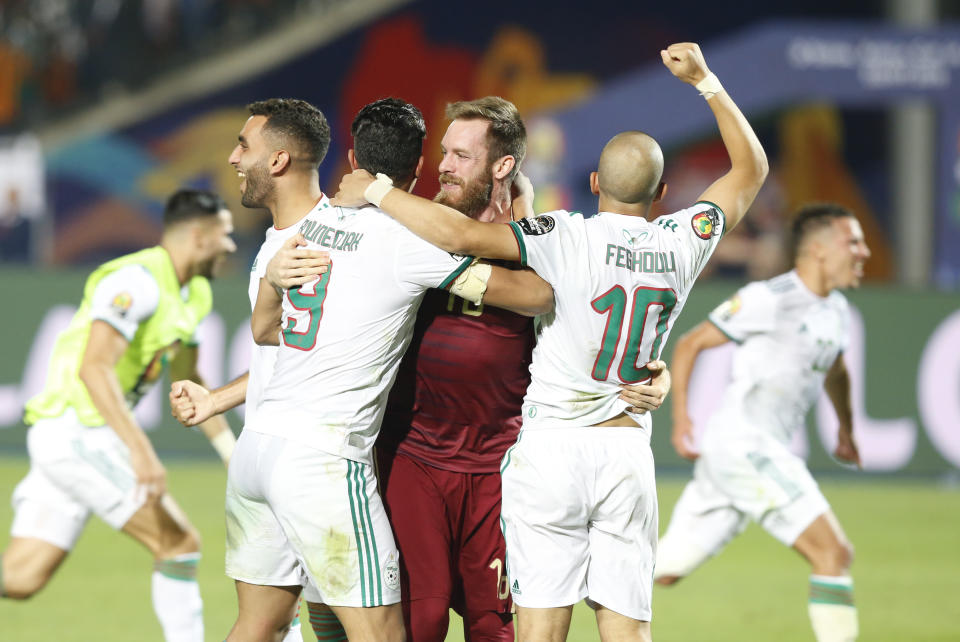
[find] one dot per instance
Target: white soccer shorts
(739, 477)
(300, 516)
(75, 470)
(580, 518)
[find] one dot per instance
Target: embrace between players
(333, 320)
(466, 510)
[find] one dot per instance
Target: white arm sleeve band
(472, 284)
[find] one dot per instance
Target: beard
(475, 195)
(259, 187)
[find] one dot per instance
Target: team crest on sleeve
(121, 303)
(706, 224)
(537, 226)
(728, 308)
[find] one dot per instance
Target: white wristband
(224, 442)
(378, 189)
(709, 86)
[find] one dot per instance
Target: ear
(661, 192)
(352, 159)
(503, 167)
(416, 172)
(594, 184)
(279, 162)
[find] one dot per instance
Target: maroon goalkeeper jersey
(456, 401)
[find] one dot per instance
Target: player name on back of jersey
(641, 260)
(326, 236)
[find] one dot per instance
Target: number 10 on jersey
(613, 304)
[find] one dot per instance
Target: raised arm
(704, 336)
(443, 226)
(837, 385)
(214, 427)
(267, 313)
(734, 191)
(105, 347)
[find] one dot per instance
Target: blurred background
(107, 106)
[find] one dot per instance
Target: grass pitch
(906, 573)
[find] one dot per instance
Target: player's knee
(489, 626)
(22, 583)
(844, 555)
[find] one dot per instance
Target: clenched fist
(685, 61)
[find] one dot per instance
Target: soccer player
(455, 407)
(745, 469)
(579, 499)
(87, 453)
(302, 500)
(278, 132)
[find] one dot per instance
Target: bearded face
(473, 195)
(257, 187)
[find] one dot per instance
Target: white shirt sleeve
(420, 265)
(752, 310)
(125, 299)
(698, 229)
(545, 240)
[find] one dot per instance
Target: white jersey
(262, 358)
(789, 337)
(343, 334)
(619, 283)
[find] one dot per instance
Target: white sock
(294, 634)
(832, 612)
(176, 598)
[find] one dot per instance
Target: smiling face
(845, 253)
(466, 177)
(250, 158)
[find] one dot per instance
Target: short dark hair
(507, 135)
(189, 204)
(812, 218)
(298, 124)
(388, 138)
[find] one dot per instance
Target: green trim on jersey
(717, 207)
(172, 324)
(518, 234)
(457, 272)
(725, 333)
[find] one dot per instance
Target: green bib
(157, 338)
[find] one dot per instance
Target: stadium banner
(903, 358)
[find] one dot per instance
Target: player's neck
(176, 250)
(291, 205)
(812, 277)
(607, 204)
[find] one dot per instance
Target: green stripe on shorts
(356, 531)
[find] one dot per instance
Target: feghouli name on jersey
(641, 260)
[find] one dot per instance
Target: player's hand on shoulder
(293, 265)
(191, 403)
(522, 193)
(685, 61)
(646, 397)
(682, 438)
(352, 189)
